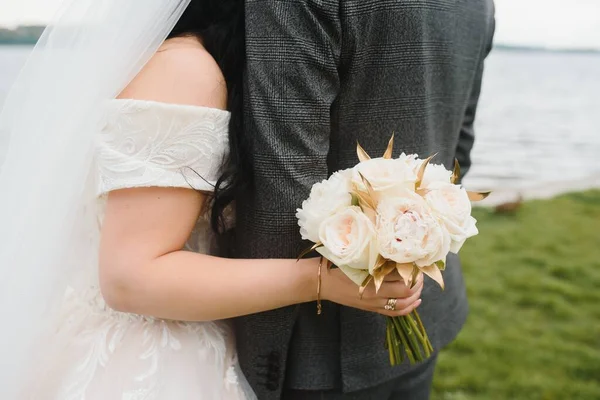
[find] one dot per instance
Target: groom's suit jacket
(322, 75)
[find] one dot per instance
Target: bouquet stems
(406, 335)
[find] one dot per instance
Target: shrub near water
(533, 280)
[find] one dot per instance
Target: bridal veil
(88, 54)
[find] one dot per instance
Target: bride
(87, 329)
(120, 146)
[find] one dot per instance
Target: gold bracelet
(319, 307)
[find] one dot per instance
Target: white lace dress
(96, 353)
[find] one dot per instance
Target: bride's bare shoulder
(181, 72)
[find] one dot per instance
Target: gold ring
(391, 305)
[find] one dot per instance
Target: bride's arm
(143, 268)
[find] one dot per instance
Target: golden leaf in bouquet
(372, 195)
(406, 271)
(308, 250)
(415, 275)
(363, 199)
(363, 286)
(379, 274)
(379, 262)
(473, 196)
(390, 148)
(456, 172)
(362, 154)
(478, 196)
(434, 273)
(421, 171)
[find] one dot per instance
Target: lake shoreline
(540, 191)
(536, 123)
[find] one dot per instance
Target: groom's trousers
(414, 385)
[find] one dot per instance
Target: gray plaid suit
(322, 74)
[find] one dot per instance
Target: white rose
(412, 160)
(386, 176)
(346, 238)
(451, 203)
(326, 198)
(435, 173)
(408, 231)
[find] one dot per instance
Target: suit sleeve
(467, 132)
(293, 49)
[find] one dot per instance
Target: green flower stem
(424, 343)
(397, 345)
(406, 335)
(390, 344)
(404, 340)
(410, 334)
(423, 331)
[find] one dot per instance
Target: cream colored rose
(412, 160)
(346, 238)
(435, 173)
(408, 231)
(452, 205)
(386, 176)
(326, 198)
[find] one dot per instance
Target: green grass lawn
(534, 288)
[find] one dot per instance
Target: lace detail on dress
(139, 357)
(97, 353)
(147, 143)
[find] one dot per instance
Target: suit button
(270, 370)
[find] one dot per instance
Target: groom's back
(322, 75)
(408, 67)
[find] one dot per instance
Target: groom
(322, 75)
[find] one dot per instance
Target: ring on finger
(391, 305)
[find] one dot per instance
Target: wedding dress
(96, 353)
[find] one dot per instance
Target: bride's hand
(338, 288)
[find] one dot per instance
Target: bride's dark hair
(219, 24)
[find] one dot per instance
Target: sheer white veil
(89, 53)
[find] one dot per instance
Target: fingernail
(418, 302)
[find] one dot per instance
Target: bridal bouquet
(390, 214)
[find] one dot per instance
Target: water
(11, 60)
(538, 118)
